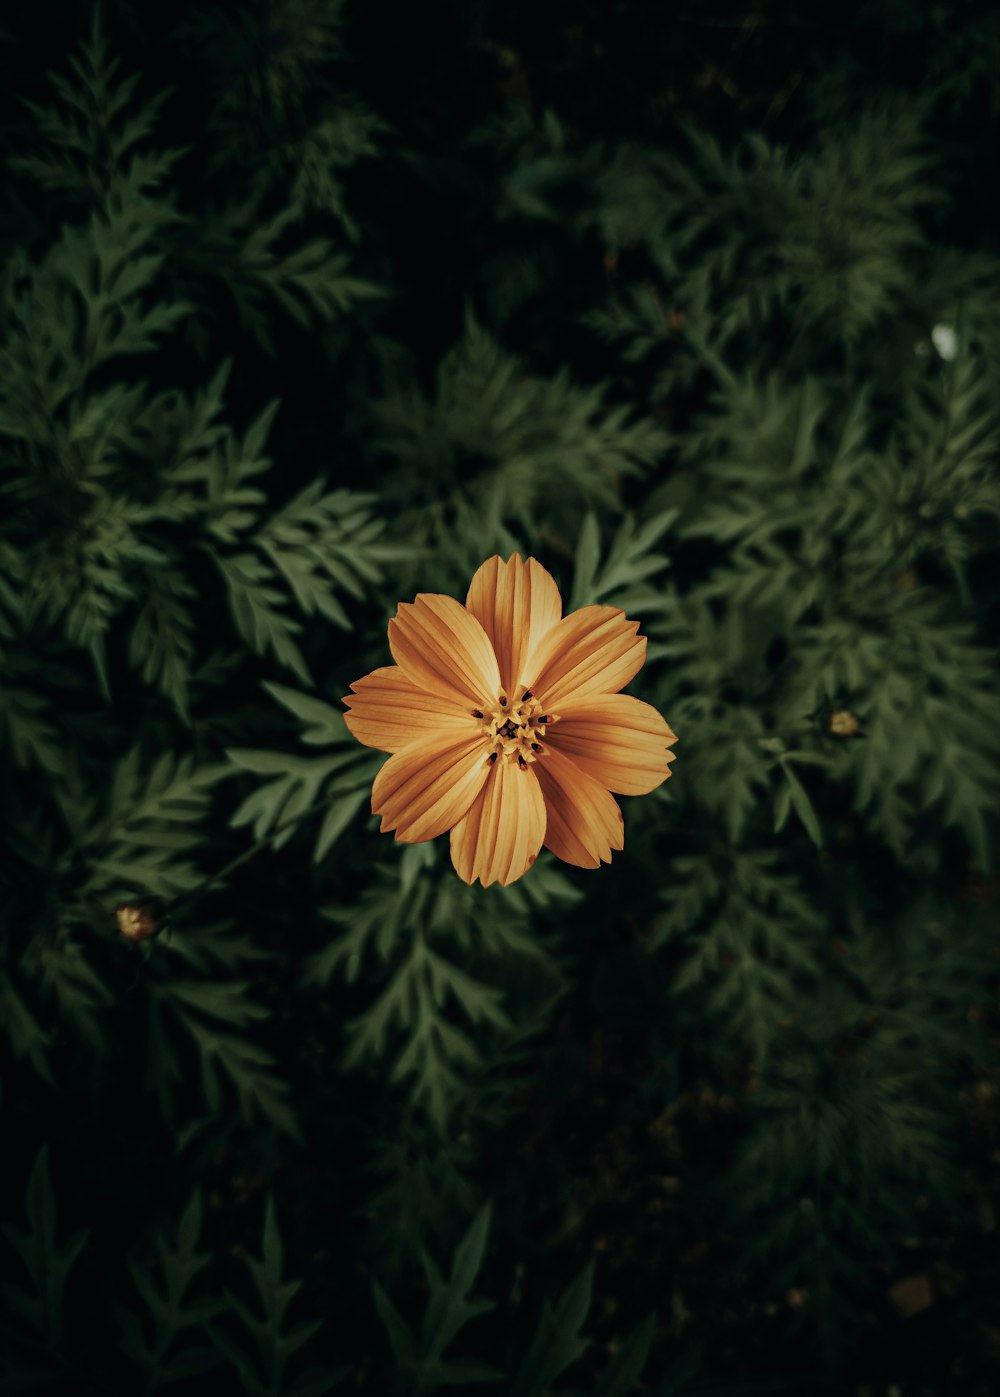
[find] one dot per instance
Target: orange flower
(506, 725)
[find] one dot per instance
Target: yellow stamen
(512, 730)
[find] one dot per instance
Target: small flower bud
(843, 723)
(140, 921)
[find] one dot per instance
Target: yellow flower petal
(517, 604)
(389, 711)
(427, 787)
(442, 647)
(591, 651)
(459, 694)
(499, 837)
(618, 740)
(584, 822)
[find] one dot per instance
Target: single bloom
(507, 726)
(139, 921)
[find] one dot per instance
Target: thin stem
(186, 903)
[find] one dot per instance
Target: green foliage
(838, 517)
(922, 687)
(421, 1366)
(338, 783)
(310, 281)
(159, 1341)
(217, 1017)
(34, 1331)
(618, 579)
(263, 1369)
(91, 540)
(742, 236)
(136, 842)
(753, 941)
(277, 140)
(853, 1117)
(818, 547)
(152, 819)
(72, 987)
(505, 440)
(421, 986)
(412, 1021)
(558, 1342)
(84, 137)
(28, 1040)
(321, 542)
(272, 115)
(288, 335)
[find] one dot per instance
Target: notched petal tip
(499, 838)
(595, 650)
(585, 825)
(517, 603)
(426, 788)
(443, 648)
(387, 710)
(622, 742)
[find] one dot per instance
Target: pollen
(506, 724)
(512, 729)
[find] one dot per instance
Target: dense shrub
(290, 334)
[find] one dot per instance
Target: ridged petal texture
(443, 648)
(584, 823)
(389, 711)
(591, 651)
(427, 787)
(618, 740)
(517, 604)
(500, 836)
(555, 759)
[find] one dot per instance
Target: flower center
(515, 730)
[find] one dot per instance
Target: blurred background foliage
(308, 306)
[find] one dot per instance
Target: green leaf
(207, 1013)
(802, 805)
(159, 1340)
(26, 1036)
(622, 1374)
(423, 1365)
(321, 723)
(40, 1303)
(588, 555)
(263, 1369)
(558, 1342)
(400, 1336)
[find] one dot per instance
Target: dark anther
(544, 718)
(525, 697)
(503, 700)
(476, 713)
(536, 746)
(493, 756)
(521, 762)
